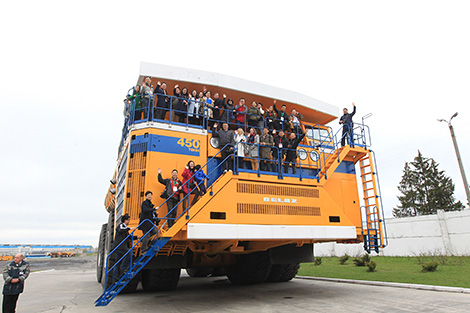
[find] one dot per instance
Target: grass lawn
(454, 272)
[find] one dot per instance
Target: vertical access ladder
(374, 224)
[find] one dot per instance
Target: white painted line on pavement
(390, 284)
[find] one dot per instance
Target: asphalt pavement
(73, 288)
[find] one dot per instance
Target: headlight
(314, 156)
(302, 154)
(214, 142)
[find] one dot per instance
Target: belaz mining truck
(260, 216)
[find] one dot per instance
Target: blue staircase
(113, 290)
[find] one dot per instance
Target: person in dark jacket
(146, 213)
(348, 125)
(162, 101)
(181, 107)
(218, 105)
(121, 244)
(291, 152)
(280, 143)
(282, 117)
(173, 187)
(270, 117)
(14, 274)
(229, 113)
(225, 137)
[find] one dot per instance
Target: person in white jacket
(240, 141)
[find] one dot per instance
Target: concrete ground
(75, 289)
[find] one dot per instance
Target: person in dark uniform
(280, 143)
(282, 117)
(291, 153)
(173, 188)
(121, 244)
(162, 101)
(14, 275)
(348, 125)
(146, 213)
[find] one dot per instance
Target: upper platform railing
(203, 115)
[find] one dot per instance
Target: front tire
(100, 254)
(283, 272)
(160, 279)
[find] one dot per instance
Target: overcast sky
(65, 68)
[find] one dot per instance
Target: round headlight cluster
(302, 154)
(214, 142)
(314, 156)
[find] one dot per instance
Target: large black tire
(160, 279)
(250, 268)
(132, 285)
(218, 271)
(199, 271)
(107, 249)
(100, 255)
(283, 272)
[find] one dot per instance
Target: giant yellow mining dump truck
(260, 216)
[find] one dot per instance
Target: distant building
(33, 250)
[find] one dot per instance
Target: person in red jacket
(188, 183)
(240, 110)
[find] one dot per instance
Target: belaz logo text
(280, 200)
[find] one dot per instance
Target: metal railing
(129, 251)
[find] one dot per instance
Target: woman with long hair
(193, 109)
(253, 147)
(240, 141)
(188, 182)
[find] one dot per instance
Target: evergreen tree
(425, 189)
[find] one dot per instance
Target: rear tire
(160, 279)
(100, 255)
(199, 271)
(283, 272)
(251, 268)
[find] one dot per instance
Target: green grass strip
(452, 271)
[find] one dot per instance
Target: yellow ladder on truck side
(374, 224)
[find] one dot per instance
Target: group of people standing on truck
(271, 148)
(197, 106)
(175, 191)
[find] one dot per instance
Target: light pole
(456, 147)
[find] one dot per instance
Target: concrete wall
(444, 233)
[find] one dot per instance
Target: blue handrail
(130, 251)
(186, 210)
